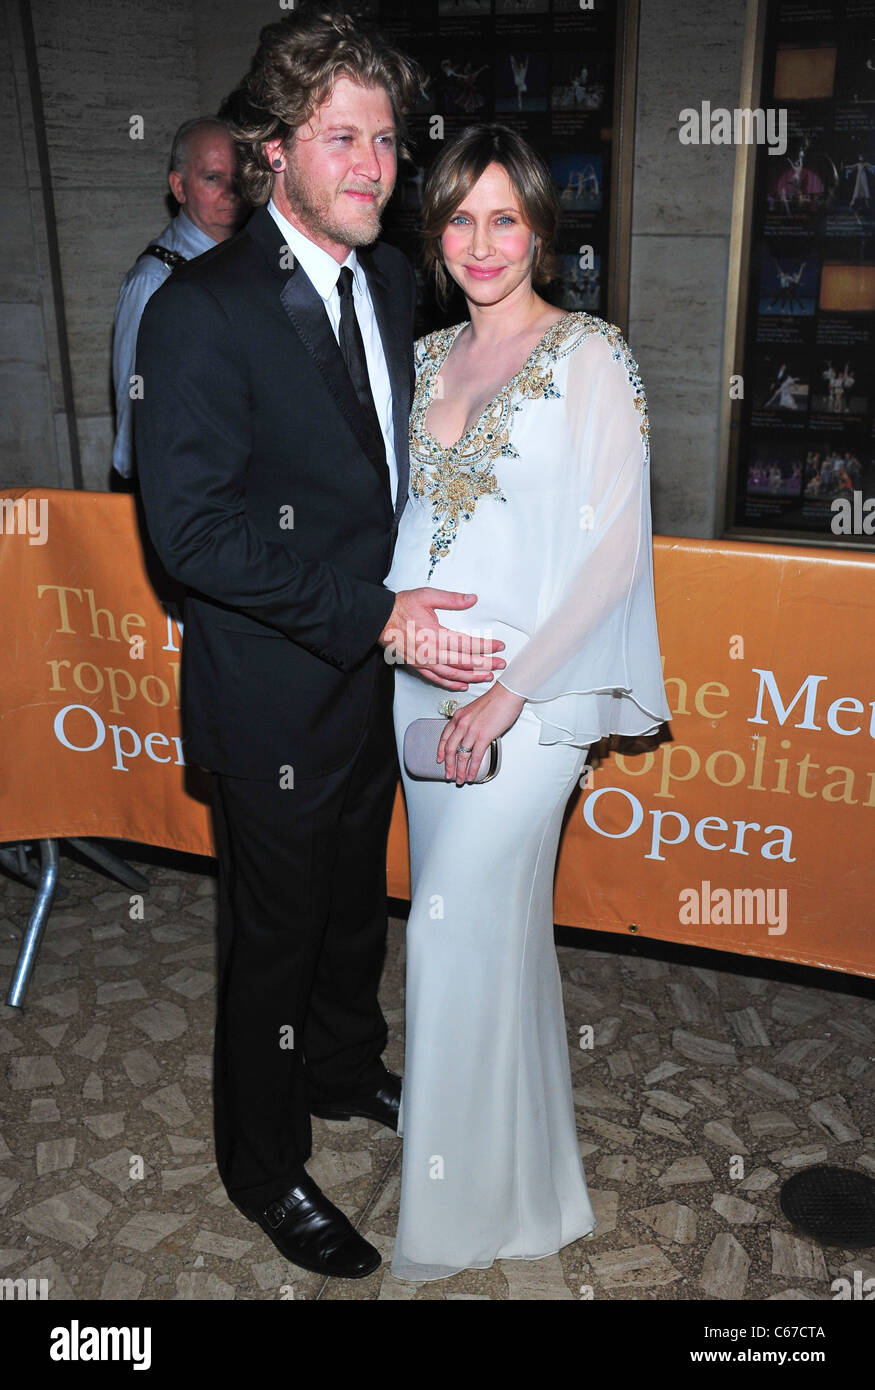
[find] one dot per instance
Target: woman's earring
(277, 163)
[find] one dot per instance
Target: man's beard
(317, 215)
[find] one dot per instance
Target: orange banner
(89, 693)
(749, 832)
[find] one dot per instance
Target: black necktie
(353, 349)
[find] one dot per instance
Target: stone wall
(30, 388)
(681, 216)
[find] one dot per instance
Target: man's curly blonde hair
(293, 72)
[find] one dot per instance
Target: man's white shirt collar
(189, 236)
(320, 267)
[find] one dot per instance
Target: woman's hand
(474, 726)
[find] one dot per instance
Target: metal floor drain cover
(834, 1205)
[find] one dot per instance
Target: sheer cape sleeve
(592, 666)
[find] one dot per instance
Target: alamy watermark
(25, 516)
(741, 126)
(853, 516)
(23, 1290)
(738, 907)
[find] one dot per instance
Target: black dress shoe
(381, 1103)
(312, 1232)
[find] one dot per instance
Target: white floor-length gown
(541, 509)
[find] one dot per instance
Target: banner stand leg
(105, 859)
(39, 915)
(46, 890)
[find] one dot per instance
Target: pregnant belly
(471, 567)
(477, 561)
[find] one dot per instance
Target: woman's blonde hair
(453, 175)
(294, 71)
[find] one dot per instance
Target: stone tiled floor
(697, 1059)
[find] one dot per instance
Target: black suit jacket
(247, 411)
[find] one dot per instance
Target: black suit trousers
(301, 944)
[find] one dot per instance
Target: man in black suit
(272, 442)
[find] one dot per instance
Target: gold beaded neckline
(544, 342)
(451, 480)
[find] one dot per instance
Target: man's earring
(277, 163)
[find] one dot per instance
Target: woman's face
(487, 246)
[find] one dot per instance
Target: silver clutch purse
(421, 739)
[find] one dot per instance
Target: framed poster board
(562, 73)
(799, 418)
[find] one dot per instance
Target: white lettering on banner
(808, 688)
(126, 742)
(674, 821)
(676, 767)
(170, 645)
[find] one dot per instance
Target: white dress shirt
(323, 271)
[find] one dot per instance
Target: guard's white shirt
(323, 272)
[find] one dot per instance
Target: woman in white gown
(540, 507)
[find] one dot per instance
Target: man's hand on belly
(413, 636)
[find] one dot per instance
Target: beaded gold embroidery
(621, 353)
(453, 479)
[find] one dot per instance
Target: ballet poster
(803, 464)
(547, 68)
